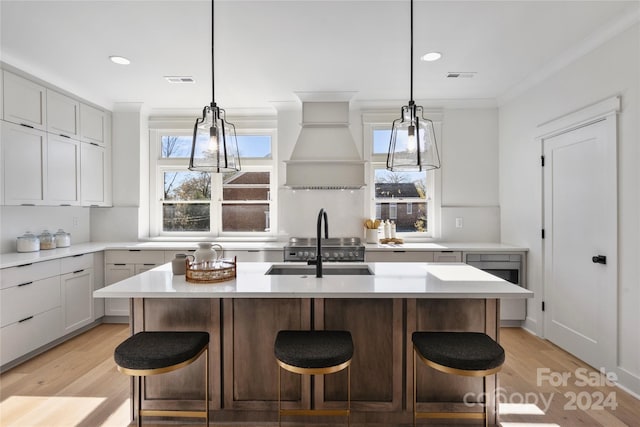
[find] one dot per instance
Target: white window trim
(159, 127)
(378, 120)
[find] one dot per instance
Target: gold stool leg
(415, 398)
(139, 401)
(349, 395)
(206, 390)
(279, 397)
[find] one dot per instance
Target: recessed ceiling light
(431, 56)
(120, 60)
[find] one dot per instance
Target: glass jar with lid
(63, 239)
(47, 241)
(28, 242)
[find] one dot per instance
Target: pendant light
(413, 141)
(215, 146)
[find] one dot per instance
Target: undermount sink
(327, 270)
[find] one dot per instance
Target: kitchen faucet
(318, 261)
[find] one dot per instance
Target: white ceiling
(268, 50)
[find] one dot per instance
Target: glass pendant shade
(215, 146)
(413, 142)
(412, 147)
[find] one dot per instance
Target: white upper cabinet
(39, 169)
(55, 150)
(24, 151)
(63, 171)
(94, 176)
(93, 125)
(24, 102)
(63, 115)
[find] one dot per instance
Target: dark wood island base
(244, 373)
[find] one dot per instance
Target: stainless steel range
(334, 249)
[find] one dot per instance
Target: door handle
(599, 259)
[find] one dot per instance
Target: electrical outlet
(459, 223)
(75, 222)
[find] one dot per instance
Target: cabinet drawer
(30, 334)
(29, 273)
(75, 263)
(134, 257)
(22, 301)
(398, 256)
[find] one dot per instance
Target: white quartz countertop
(15, 258)
(390, 280)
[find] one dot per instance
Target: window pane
(409, 215)
(416, 221)
(254, 146)
(187, 186)
(246, 186)
(400, 184)
(185, 217)
(176, 146)
(381, 140)
(243, 217)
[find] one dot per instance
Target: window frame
(159, 165)
(376, 120)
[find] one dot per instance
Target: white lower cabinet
(29, 334)
(114, 273)
(398, 256)
(77, 288)
(42, 302)
(122, 264)
(447, 256)
(30, 308)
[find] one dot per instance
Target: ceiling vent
(179, 79)
(461, 74)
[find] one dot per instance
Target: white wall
(469, 183)
(611, 69)
(16, 220)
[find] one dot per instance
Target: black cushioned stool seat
(471, 354)
(313, 349)
(158, 352)
(314, 353)
(468, 351)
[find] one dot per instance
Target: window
(188, 203)
(407, 198)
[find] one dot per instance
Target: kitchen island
(381, 310)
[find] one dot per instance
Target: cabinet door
(77, 301)
(27, 299)
(24, 101)
(24, 152)
(115, 273)
(398, 256)
(447, 256)
(254, 255)
(63, 115)
(30, 334)
(92, 125)
(63, 171)
(93, 162)
(141, 268)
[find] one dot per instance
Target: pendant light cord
(411, 71)
(213, 90)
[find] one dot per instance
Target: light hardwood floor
(77, 384)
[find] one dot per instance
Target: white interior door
(580, 221)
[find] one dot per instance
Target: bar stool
(158, 352)
(314, 353)
(470, 354)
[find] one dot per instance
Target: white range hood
(325, 156)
